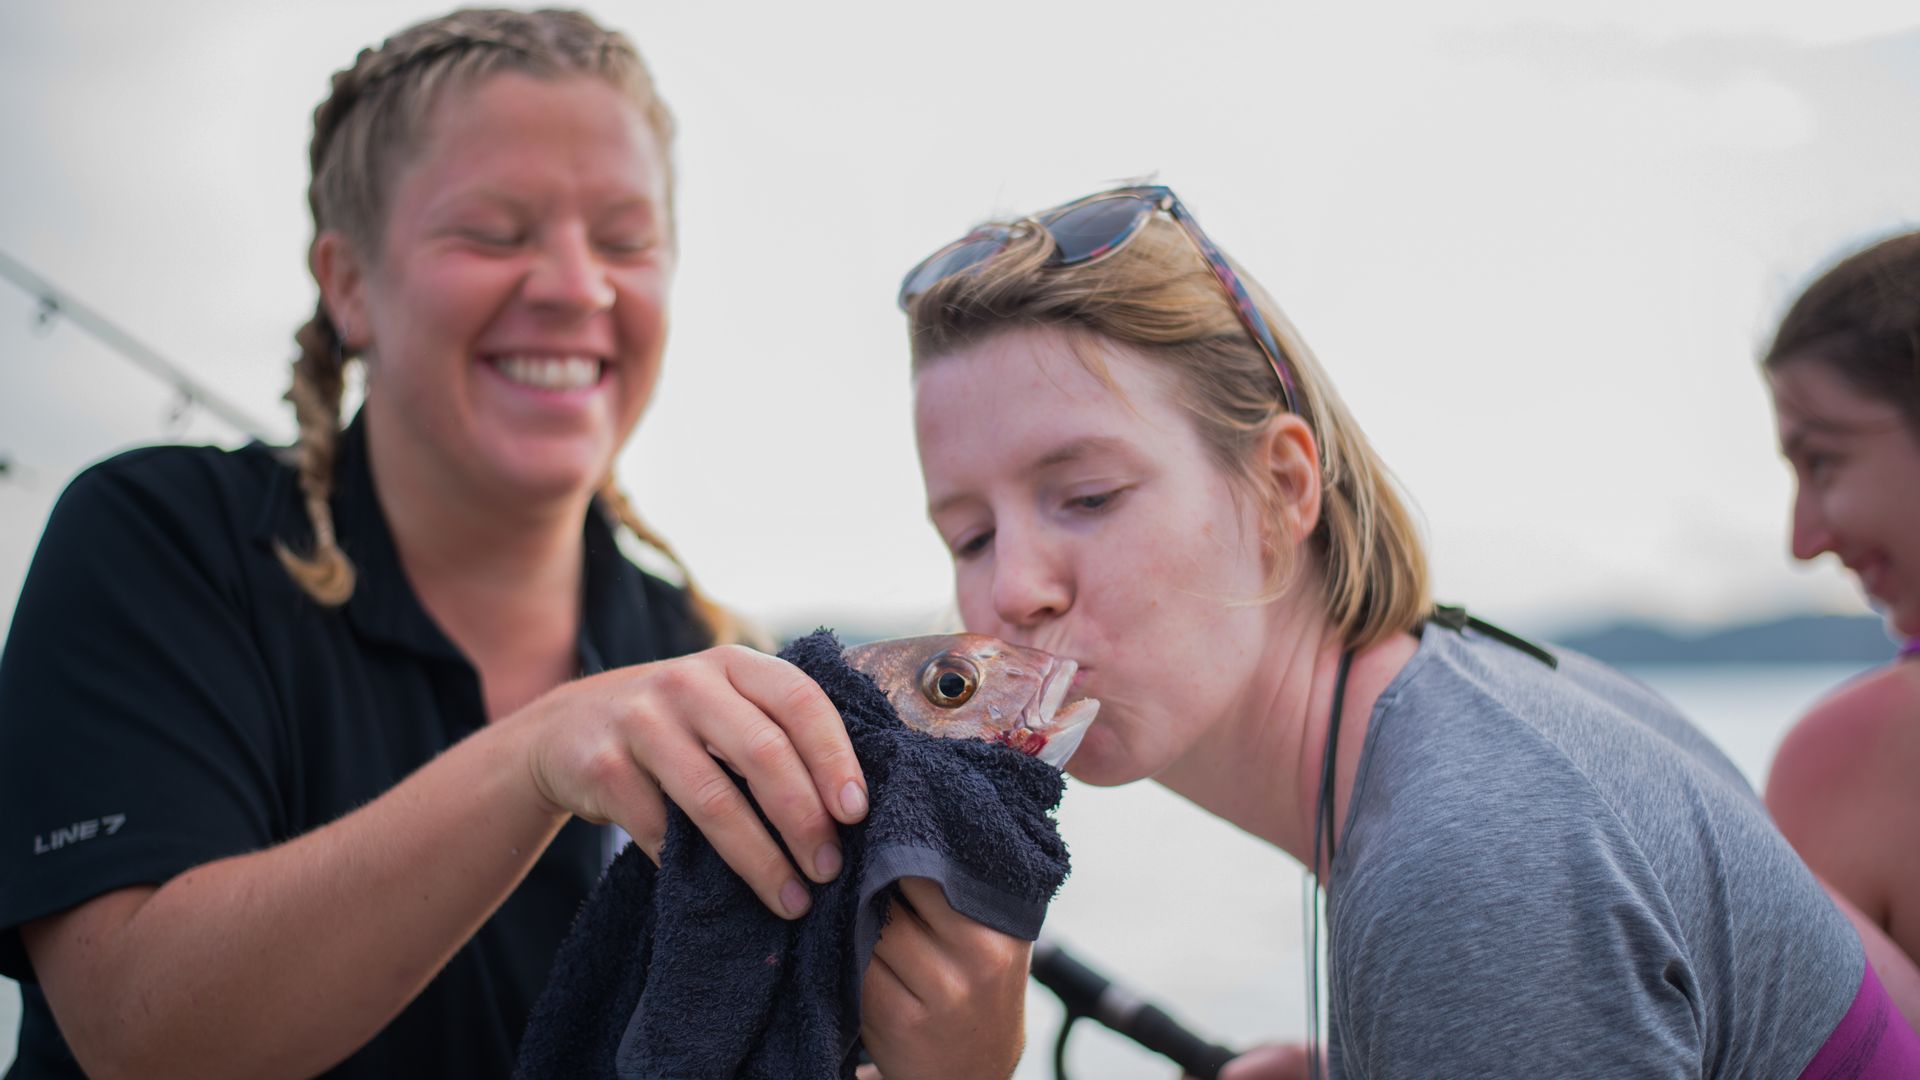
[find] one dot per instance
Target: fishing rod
(1084, 992)
(56, 303)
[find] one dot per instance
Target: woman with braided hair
(310, 758)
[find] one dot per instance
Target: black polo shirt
(168, 696)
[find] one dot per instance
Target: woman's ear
(1292, 467)
(336, 266)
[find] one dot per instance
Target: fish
(971, 686)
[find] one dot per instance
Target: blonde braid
(319, 379)
(723, 626)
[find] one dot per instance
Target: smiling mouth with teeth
(559, 373)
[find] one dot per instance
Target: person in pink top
(1844, 373)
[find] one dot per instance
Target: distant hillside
(1822, 639)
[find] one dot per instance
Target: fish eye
(948, 681)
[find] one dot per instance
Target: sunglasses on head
(1087, 230)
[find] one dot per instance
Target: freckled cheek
(636, 379)
(423, 342)
(970, 591)
(641, 307)
(442, 325)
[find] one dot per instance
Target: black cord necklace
(1323, 823)
(1323, 832)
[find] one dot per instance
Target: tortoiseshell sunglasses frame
(1152, 199)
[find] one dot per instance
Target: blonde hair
(362, 136)
(1158, 297)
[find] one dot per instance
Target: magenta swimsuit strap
(1911, 648)
(1872, 1042)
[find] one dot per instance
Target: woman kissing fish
(970, 686)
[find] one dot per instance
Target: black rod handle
(1085, 992)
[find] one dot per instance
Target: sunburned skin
(970, 686)
(1841, 785)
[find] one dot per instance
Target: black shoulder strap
(1455, 618)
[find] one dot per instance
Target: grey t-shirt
(1551, 873)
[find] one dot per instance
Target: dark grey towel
(679, 973)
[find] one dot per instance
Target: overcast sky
(1538, 252)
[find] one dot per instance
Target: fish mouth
(1059, 724)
